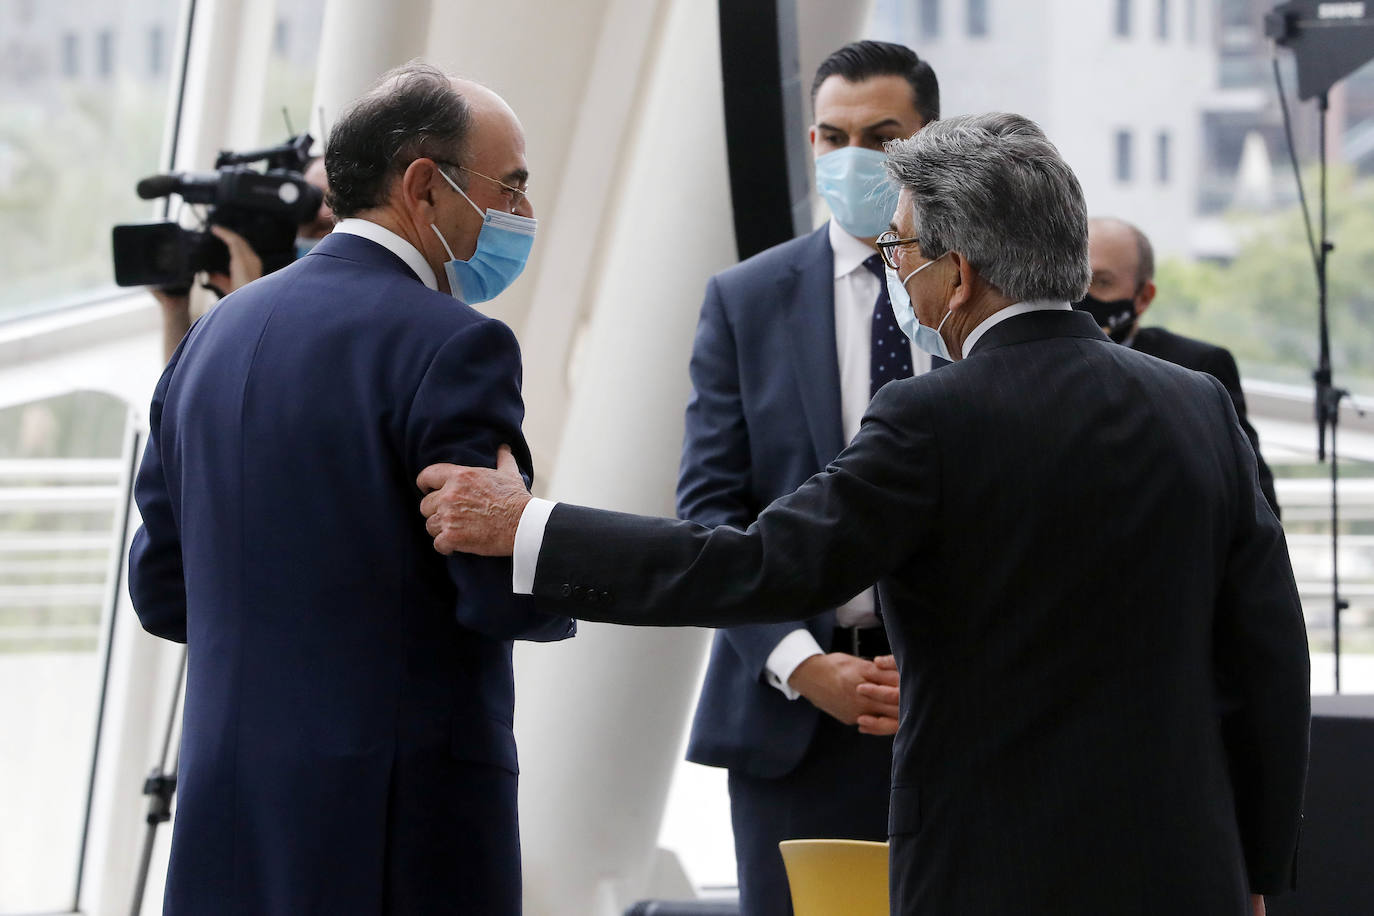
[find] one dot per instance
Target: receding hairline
(1144, 250)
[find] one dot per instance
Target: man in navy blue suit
(791, 346)
(347, 745)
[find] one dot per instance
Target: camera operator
(323, 223)
(244, 266)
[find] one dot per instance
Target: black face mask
(1117, 316)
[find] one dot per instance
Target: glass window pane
(104, 49)
(155, 50)
(1123, 155)
(930, 18)
(977, 18)
(83, 87)
(61, 499)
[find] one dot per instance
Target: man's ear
(962, 280)
(418, 189)
(1145, 297)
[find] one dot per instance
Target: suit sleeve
(157, 584)
(1222, 366)
(713, 485)
(467, 406)
(1260, 645)
(839, 532)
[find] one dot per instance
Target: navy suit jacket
(764, 416)
(347, 745)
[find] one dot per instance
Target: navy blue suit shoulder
(763, 417)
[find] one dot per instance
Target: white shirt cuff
(529, 537)
(795, 648)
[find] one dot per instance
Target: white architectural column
(359, 41)
(601, 720)
(225, 79)
(578, 106)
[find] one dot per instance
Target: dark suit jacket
(763, 417)
(1076, 567)
(1219, 363)
(347, 744)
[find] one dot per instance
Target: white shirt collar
(392, 243)
(1011, 311)
(850, 252)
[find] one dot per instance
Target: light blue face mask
(303, 246)
(503, 246)
(853, 182)
(926, 338)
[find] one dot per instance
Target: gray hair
(412, 112)
(993, 188)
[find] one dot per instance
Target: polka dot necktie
(891, 354)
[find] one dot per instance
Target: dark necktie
(891, 355)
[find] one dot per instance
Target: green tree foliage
(1263, 304)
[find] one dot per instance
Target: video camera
(265, 207)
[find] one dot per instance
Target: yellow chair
(836, 877)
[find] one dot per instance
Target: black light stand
(1329, 41)
(160, 786)
(1328, 397)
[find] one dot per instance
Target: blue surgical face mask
(303, 246)
(503, 245)
(853, 182)
(926, 338)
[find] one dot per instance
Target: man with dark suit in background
(347, 745)
(1078, 735)
(790, 348)
(1123, 286)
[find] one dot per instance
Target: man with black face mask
(1123, 265)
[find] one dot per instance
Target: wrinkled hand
(244, 264)
(474, 510)
(885, 693)
(831, 682)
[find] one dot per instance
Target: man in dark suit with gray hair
(1078, 734)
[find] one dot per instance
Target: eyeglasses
(514, 196)
(889, 241)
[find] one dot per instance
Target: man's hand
(885, 693)
(1257, 905)
(474, 510)
(831, 682)
(244, 264)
